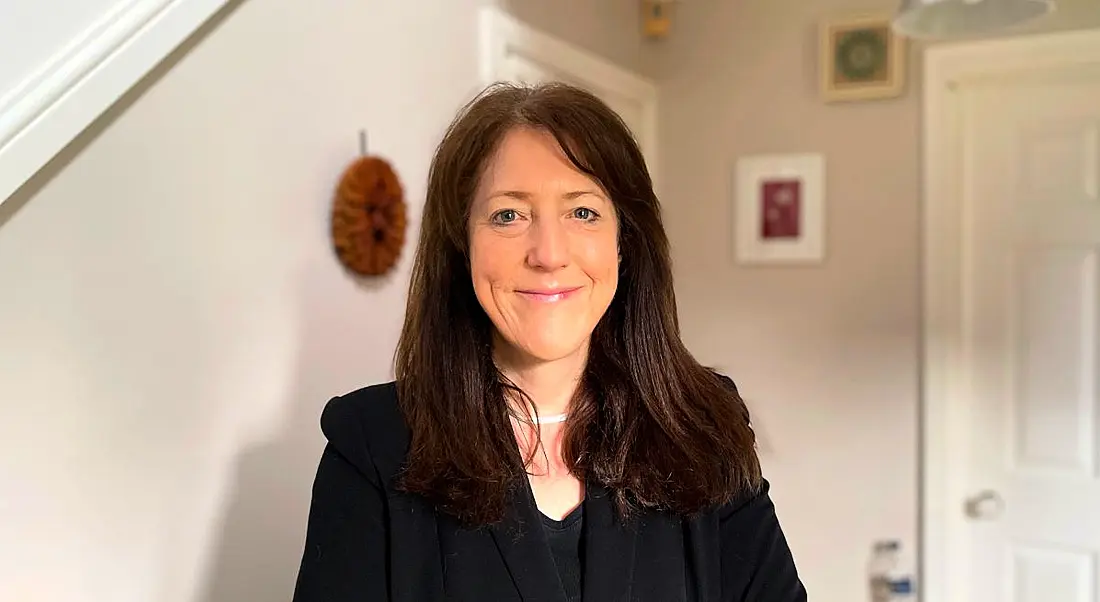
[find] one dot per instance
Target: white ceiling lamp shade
(956, 18)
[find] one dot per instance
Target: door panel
(1031, 315)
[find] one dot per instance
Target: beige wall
(826, 356)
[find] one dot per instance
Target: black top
(368, 540)
(565, 537)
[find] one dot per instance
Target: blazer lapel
(523, 545)
(416, 566)
(609, 549)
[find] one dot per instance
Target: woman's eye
(505, 216)
(585, 214)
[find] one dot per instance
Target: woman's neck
(550, 384)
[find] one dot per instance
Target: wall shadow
(258, 543)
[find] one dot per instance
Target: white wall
(172, 319)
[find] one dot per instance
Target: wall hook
(363, 143)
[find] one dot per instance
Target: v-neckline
(566, 521)
(609, 549)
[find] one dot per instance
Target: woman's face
(543, 248)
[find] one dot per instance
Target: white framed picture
(779, 209)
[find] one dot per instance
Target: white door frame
(502, 36)
(943, 414)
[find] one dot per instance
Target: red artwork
(780, 209)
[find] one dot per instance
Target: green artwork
(861, 55)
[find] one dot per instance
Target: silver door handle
(986, 505)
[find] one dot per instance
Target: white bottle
(887, 583)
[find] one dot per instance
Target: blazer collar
(609, 549)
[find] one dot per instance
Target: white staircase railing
(80, 78)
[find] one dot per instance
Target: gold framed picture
(861, 58)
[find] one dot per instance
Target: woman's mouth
(548, 295)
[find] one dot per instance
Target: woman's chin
(540, 349)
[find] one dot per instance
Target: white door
(512, 51)
(1027, 377)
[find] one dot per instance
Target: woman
(548, 437)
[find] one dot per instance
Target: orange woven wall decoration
(368, 217)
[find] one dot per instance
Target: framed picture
(779, 213)
(861, 58)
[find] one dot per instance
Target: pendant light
(954, 18)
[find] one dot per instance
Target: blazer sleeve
(757, 564)
(345, 549)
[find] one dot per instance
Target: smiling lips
(548, 295)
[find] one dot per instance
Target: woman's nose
(549, 248)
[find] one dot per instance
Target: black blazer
(367, 542)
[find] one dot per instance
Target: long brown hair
(649, 422)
